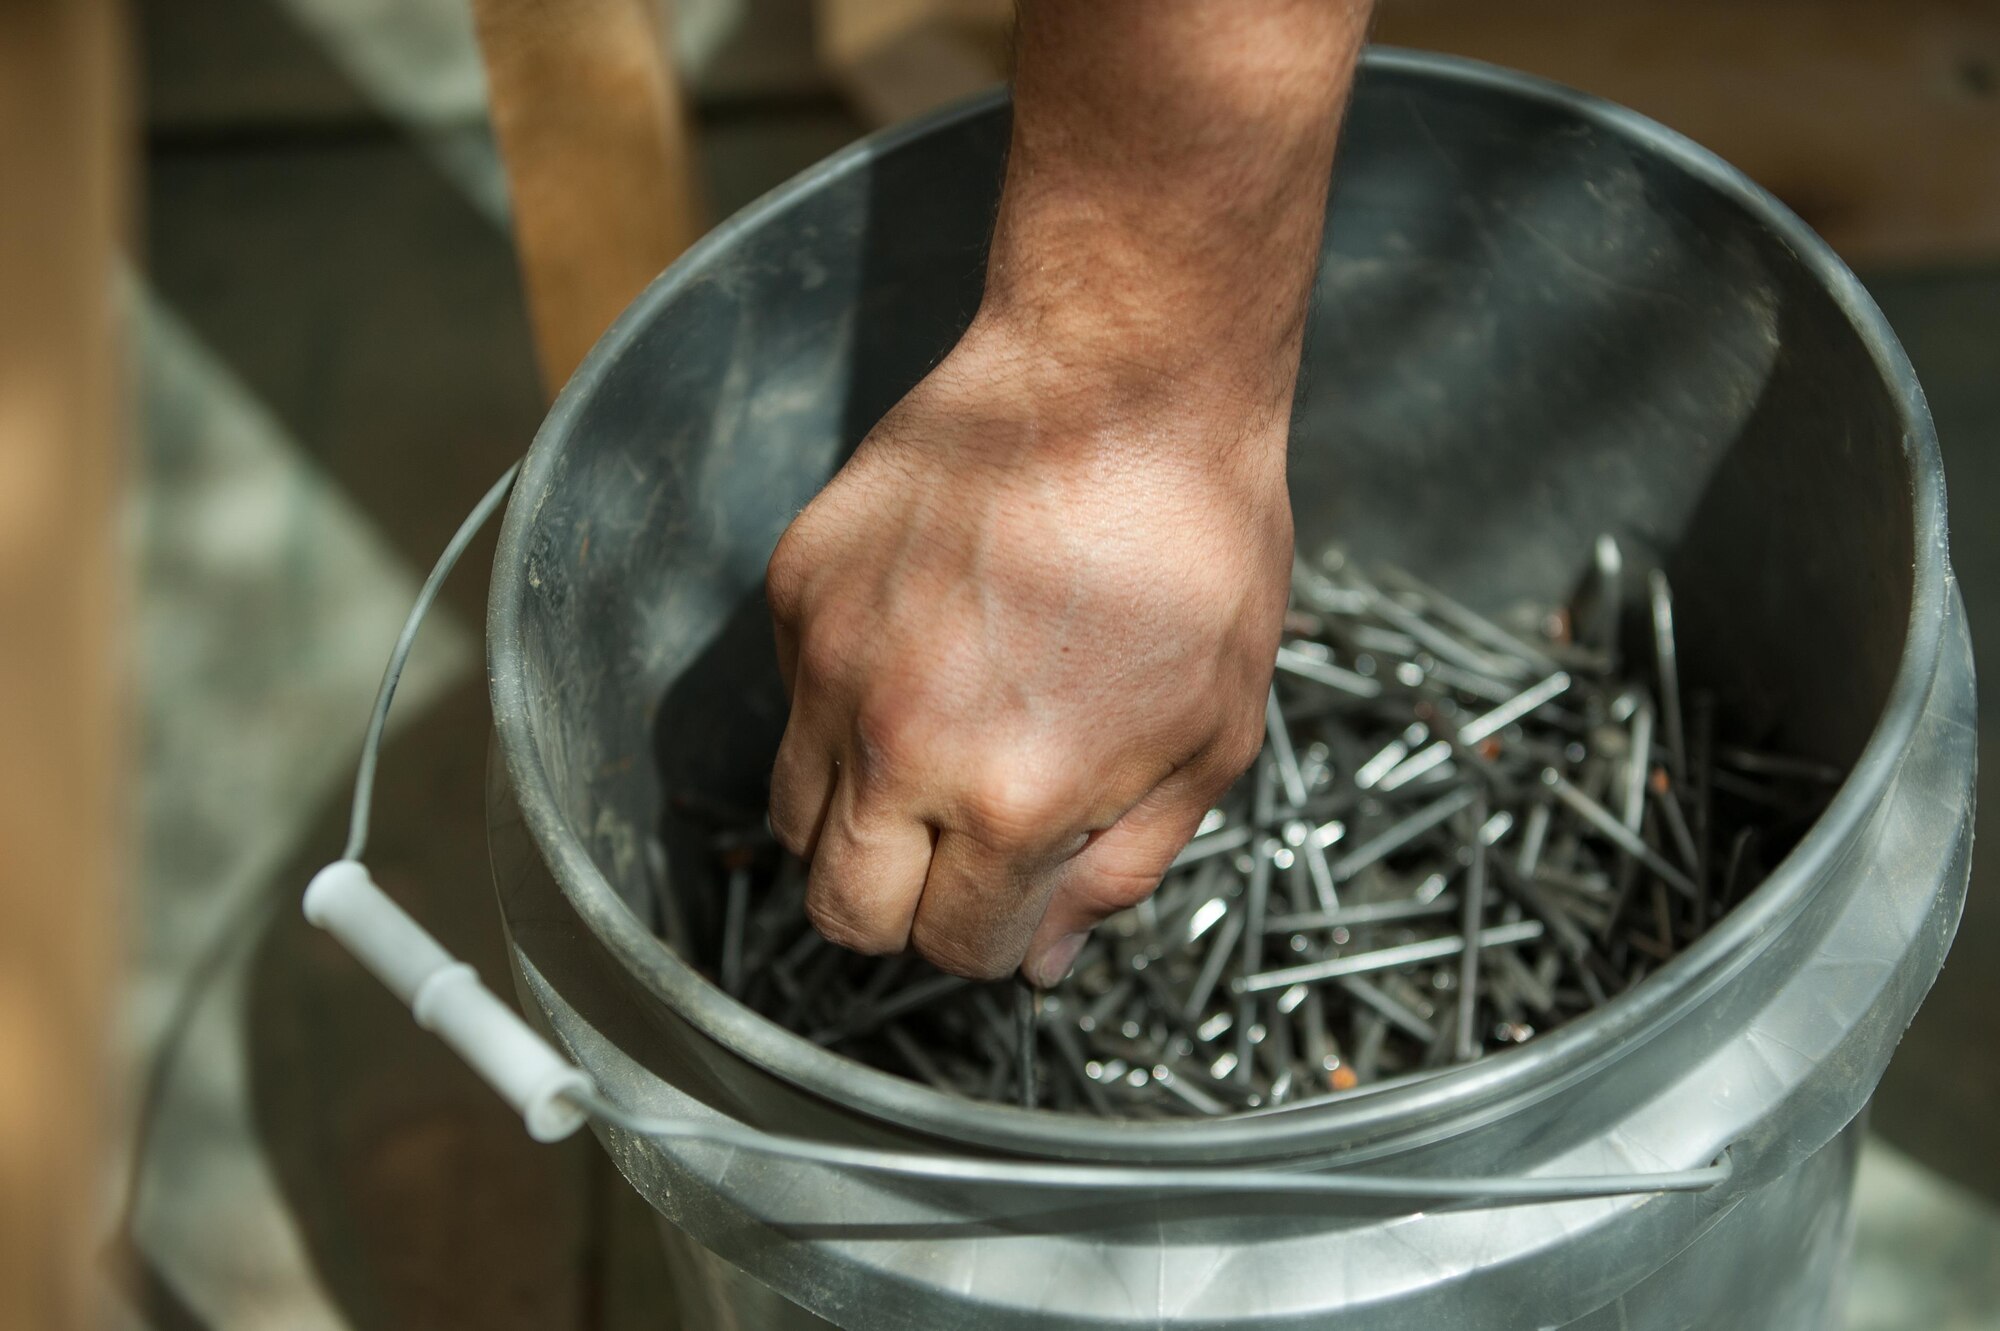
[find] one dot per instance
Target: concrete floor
(334, 366)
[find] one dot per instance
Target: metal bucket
(1539, 318)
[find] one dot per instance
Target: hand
(1029, 628)
(1028, 631)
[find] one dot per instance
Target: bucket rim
(1363, 1124)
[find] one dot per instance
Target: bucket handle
(555, 1097)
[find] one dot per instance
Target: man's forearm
(1167, 181)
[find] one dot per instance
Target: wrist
(1072, 398)
(1114, 300)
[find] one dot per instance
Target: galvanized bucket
(1539, 318)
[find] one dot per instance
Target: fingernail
(1056, 963)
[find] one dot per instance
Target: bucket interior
(1532, 326)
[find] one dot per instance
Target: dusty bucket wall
(1538, 318)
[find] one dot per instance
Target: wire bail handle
(554, 1097)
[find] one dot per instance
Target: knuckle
(1239, 737)
(840, 924)
(1011, 805)
(826, 651)
(1116, 887)
(1238, 747)
(1121, 882)
(785, 578)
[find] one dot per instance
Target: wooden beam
(586, 103)
(1879, 124)
(64, 158)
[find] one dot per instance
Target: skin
(1029, 627)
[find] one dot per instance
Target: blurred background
(267, 338)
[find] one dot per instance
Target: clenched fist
(1028, 631)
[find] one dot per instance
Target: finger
(802, 781)
(1118, 869)
(868, 872)
(979, 906)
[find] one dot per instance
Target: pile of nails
(1461, 833)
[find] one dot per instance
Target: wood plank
(1879, 124)
(587, 107)
(63, 156)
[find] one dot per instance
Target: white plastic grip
(446, 996)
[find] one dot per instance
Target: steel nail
(1386, 958)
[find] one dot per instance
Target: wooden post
(64, 159)
(586, 102)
